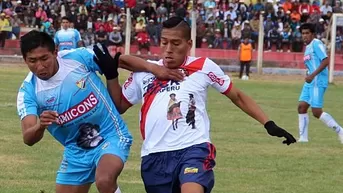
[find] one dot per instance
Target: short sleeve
(77, 36)
(216, 77)
(26, 101)
(56, 39)
(319, 50)
(131, 90)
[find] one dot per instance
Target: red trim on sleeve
(125, 99)
(228, 89)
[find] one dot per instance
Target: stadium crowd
(221, 24)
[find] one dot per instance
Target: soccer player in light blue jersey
(312, 94)
(64, 95)
(67, 38)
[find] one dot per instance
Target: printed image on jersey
(174, 112)
(89, 136)
(190, 117)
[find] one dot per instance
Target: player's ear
(190, 44)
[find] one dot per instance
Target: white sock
(118, 190)
(330, 122)
(303, 126)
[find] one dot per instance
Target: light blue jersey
(89, 125)
(67, 39)
(80, 98)
(315, 53)
(313, 93)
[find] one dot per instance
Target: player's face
(42, 62)
(174, 47)
(65, 24)
(307, 36)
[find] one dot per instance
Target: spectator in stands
(151, 29)
(258, 6)
(274, 39)
(101, 35)
(109, 25)
(320, 28)
(338, 7)
(236, 35)
(41, 17)
(246, 31)
(141, 17)
(285, 39)
(115, 37)
(143, 41)
(297, 42)
(15, 22)
(88, 37)
(4, 24)
(140, 25)
(227, 34)
(19, 10)
(218, 40)
(324, 9)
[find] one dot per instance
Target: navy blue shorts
(165, 172)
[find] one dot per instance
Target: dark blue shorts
(165, 172)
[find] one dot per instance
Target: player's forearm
(321, 67)
(135, 64)
(114, 89)
(33, 134)
(250, 107)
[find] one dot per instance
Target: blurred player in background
(179, 159)
(64, 95)
(67, 38)
(245, 57)
(312, 94)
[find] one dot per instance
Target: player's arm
(247, 104)
(78, 39)
(222, 83)
(32, 128)
(137, 64)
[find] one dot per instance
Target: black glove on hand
(277, 131)
(107, 64)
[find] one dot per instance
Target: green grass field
(248, 159)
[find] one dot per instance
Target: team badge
(81, 84)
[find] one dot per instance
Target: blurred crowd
(221, 24)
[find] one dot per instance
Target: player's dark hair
(180, 23)
(35, 39)
(65, 18)
(308, 26)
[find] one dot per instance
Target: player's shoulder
(28, 83)
(200, 63)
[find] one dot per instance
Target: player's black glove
(107, 64)
(277, 131)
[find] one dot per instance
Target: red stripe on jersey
(148, 99)
(228, 89)
(194, 66)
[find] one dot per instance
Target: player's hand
(277, 131)
(309, 78)
(47, 118)
(163, 73)
(107, 64)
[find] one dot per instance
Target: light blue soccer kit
(313, 93)
(89, 125)
(67, 39)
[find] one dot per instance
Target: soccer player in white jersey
(177, 153)
(64, 95)
(316, 82)
(67, 38)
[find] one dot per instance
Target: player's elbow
(28, 141)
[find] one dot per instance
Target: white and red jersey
(173, 114)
